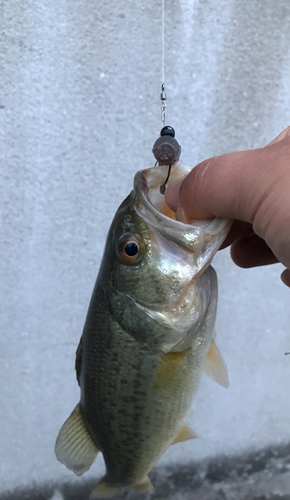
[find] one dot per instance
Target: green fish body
(148, 336)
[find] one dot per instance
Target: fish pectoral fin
(105, 490)
(74, 446)
(215, 367)
(184, 434)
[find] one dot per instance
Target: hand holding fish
(251, 187)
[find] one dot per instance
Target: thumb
(221, 186)
(233, 185)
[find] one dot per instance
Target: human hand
(251, 187)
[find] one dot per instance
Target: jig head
(166, 151)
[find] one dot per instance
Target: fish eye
(130, 249)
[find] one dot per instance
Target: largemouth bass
(148, 336)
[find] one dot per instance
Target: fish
(148, 337)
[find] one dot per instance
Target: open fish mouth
(201, 238)
(179, 246)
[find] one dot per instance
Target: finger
(234, 185)
(226, 186)
(251, 251)
(231, 186)
(285, 133)
(285, 277)
(237, 230)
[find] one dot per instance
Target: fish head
(156, 260)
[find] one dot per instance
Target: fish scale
(148, 335)
(124, 357)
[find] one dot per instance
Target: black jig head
(166, 151)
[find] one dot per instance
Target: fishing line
(163, 94)
(165, 149)
(163, 41)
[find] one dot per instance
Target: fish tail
(105, 490)
(145, 486)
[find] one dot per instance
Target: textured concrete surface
(264, 475)
(79, 112)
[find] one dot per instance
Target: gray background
(79, 112)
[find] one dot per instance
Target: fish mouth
(182, 250)
(200, 237)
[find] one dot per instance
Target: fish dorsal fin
(74, 446)
(184, 434)
(105, 490)
(215, 367)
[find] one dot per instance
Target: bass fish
(148, 336)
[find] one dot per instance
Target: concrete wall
(79, 112)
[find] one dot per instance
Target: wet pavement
(264, 475)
